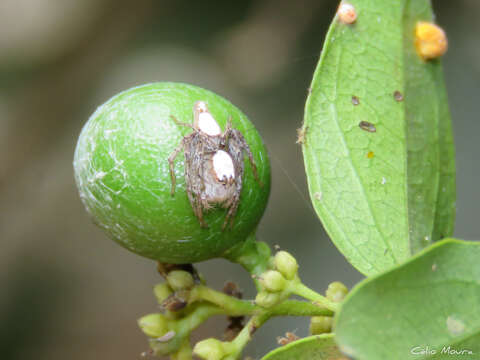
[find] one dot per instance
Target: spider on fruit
(213, 164)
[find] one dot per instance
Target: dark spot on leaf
(367, 126)
(398, 96)
(355, 100)
(370, 155)
(309, 90)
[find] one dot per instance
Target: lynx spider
(213, 164)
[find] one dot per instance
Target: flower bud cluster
(173, 296)
(320, 325)
(180, 280)
(274, 283)
(153, 325)
(335, 292)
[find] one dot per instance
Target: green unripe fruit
(336, 291)
(153, 325)
(320, 325)
(122, 173)
(273, 281)
(267, 299)
(286, 264)
(180, 280)
(162, 292)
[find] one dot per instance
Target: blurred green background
(66, 291)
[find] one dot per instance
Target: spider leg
(195, 202)
(252, 163)
(234, 201)
(181, 123)
(205, 154)
(198, 210)
(194, 187)
(238, 138)
(232, 210)
(228, 130)
(197, 207)
(171, 163)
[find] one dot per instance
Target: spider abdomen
(219, 179)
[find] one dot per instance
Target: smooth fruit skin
(122, 174)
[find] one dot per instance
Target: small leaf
(377, 144)
(430, 303)
(318, 347)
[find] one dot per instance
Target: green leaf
(431, 303)
(318, 347)
(383, 189)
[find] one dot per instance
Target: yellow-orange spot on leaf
(346, 13)
(370, 155)
(430, 40)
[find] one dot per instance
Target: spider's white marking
(223, 166)
(200, 106)
(208, 125)
(204, 121)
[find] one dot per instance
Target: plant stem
(182, 329)
(299, 308)
(253, 255)
(300, 289)
(197, 317)
(185, 351)
(232, 306)
(246, 334)
(229, 304)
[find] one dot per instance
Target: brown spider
(213, 164)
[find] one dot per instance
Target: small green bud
(286, 264)
(153, 325)
(162, 292)
(320, 325)
(271, 262)
(272, 281)
(209, 349)
(336, 291)
(180, 280)
(267, 299)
